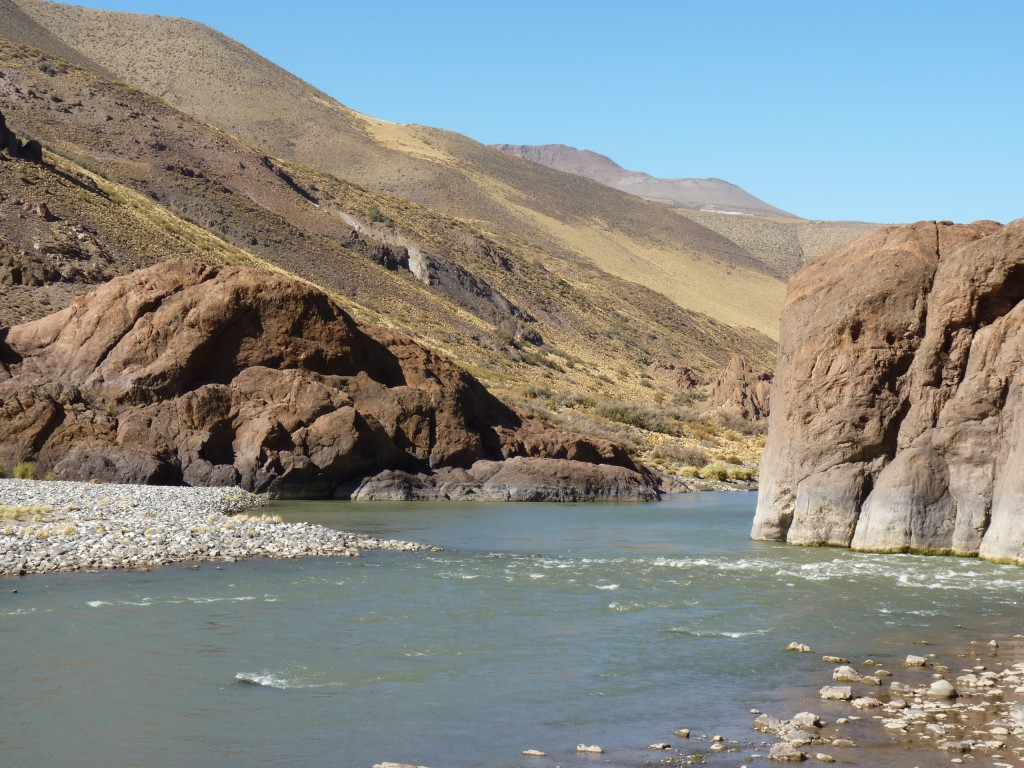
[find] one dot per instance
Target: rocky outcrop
(897, 420)
(183, 373)
(517, 479)
(10, 145)
(742, 391)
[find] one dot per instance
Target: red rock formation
(898, 410)
(742, 391)
(186, 373)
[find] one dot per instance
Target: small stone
(915, 661)
(534, 753)
(821, 757)
(593, 749)
(786, 753)
(683, 733)
(806, 720)
(836, 693)
(716, 737)
(866, 702)
(845, 674)
(942, 689)
(963, 747)
(799, 647)
(660, 745)
(842, 743)
(835, 660)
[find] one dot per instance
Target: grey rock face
(898, 400)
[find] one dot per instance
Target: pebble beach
(48, 526)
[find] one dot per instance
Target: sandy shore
(67, 526)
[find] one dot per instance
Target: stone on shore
(786, 753)
(942, 689)
(845, 674)
(836, 693)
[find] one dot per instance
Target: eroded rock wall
(898, 404)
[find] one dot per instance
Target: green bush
(26, 470)
(714, 472)
(635, 416)
(742, 473)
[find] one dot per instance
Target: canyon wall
(897, 415)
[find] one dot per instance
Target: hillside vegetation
(568, 219)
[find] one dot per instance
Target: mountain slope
(129, 181)
(697, 194)
(568, 218)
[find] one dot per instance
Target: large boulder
(897, 419)
(182, 373)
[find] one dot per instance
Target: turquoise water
(541, 626)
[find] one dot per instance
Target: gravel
(67, 526)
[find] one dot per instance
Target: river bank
(48, 526)
(937, 704)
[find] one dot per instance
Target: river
(540, 626)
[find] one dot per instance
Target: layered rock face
(897, 419)
(742, 391)
(182, 373)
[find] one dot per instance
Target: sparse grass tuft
(22, 513)
(26, 470)
(264, 518)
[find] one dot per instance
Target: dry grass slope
(567, 218)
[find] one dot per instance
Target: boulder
(182, 373)
(899, 395)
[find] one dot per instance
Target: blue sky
(877, 111)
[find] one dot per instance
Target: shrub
(635, 416)
(737, 423)
(26, 470)
(714, 472)
(742, 473)
(682, 454)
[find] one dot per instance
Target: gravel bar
(66, 526)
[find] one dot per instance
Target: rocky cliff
(897, 418)
(183, 373)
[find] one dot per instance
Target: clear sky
(877, 111)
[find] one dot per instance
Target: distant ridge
(696, 194)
